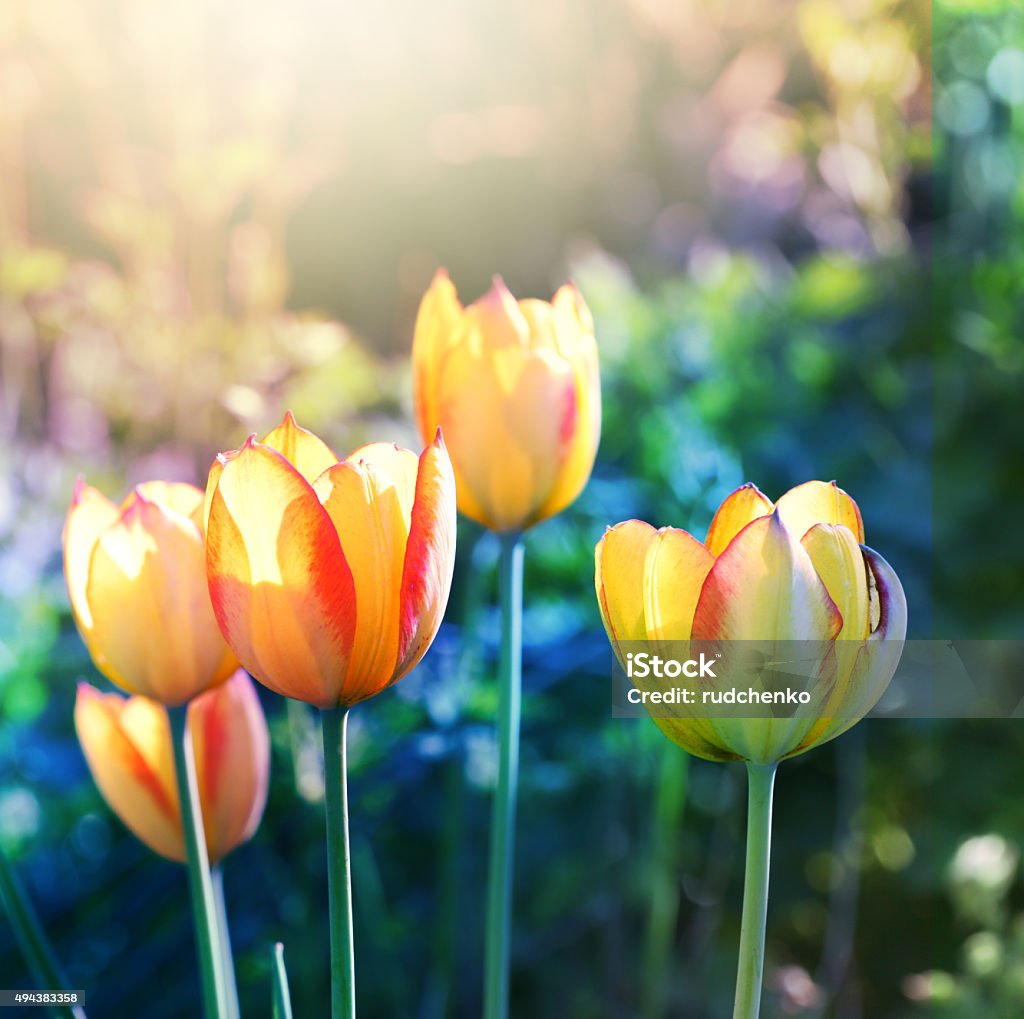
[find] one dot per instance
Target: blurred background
(800, 226)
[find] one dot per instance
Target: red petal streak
(429, 556)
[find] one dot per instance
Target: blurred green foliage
(796, 271)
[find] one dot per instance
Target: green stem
(503, 818)
(761, 780)
(663, 905)
(339, 863)
(28, 932)
(227, 959)
(204, 909)
(282, 1002)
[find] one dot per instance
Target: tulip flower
(136, 577)
(797, 570)
(514, 387)
(127, 744)
(329, 579)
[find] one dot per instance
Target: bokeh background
(800, 226)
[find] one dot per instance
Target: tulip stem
(761, 781)
(339, 862)
(204, 908)
(503, 817)
(227, 959)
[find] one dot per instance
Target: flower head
(136, 577)
(329, 577)
(514, 386)
(127, 744)
(795, 571)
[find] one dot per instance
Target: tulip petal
(819, 502)
(281, 588)
(676, 566)
(507, 459)
(177, 496)
(151, 613)
(574, 325)
(764, 587)
(746, 503)
(364, 505)
(232, 751)
(306, 452)
(675, 569)
(861, 683)
(213, 480)
(398, 468)
(580, 432)
(438, 319)
(90, 514)
(619, 563)
(838, 560)
(127, 745)
(496, 320)
(429, 556)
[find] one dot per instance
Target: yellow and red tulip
(127, 744)
(136, 577)
(329, 578)
(793, 571)
(514, 386)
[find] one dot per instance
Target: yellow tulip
(136, 577)
(514, 386)
(793, 571)
(329, 578)
(127, 744)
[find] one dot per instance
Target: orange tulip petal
(746, 503)
(90, 514)
(509, 417)
(764, 587)
(581, 433)
(439, 317)
(496, 319)
(675, 569)
(819, 502)
(281, 588)
(306, 452)
(213, 480)
(366, 509)
(619, 563)
(151, 612)
(429, 556)
(127, 747)
(232, 750)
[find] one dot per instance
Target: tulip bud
(796, 571)
(136, 577)
(514, 386)
(127, 744)
(329, 578)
